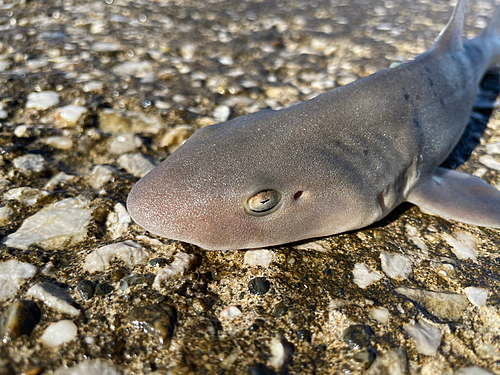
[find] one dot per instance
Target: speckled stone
(357, 336)
(259, 286)
(156, 319)
(86, 288)
(104, 288)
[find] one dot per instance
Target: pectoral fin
(458, 196)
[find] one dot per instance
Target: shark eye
(263, 202)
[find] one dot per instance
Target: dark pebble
(131, 280)
(104, 288)
(304, 335)
(280, 309)
(155, 319)
(259, 286)
(86, 288)
(158, 262)
(19, 319)
(358, 336)
(260, 369)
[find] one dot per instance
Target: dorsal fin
(451, 38)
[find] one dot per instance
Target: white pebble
(12, 275)
(54, 297)
(106, 47)
(182, 263)
(463, 244)
(258, 257)
(427, 337)
(70, 115)
(59, 142)
(59, 333)
(493, 148)
(490, 162)
(129, 252)
(380, 314)
(29, 163)
(26, 195)
(476, 296)
(100, 175)
(472, 370)
(42, 100)
(88, 367)
(59, 179)
(364, 277)
(279, 353)
(313, 245)
(124, 143)
(135, 164)
(230, 312)
(141, 69)
(58, 225)
(118, 221)
(7, 213)
(221, 113)
(396, 265)
(92, 86)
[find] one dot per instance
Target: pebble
(7, 214)
(259, 286)
(25, 195)
(427, 337)
(281, 353)
(42, 100)
(493, 148)
(118, 221)
(129, 252)
(221, 113)
(128, 122)
(93, 86)
(490, 162)
(175, 137)
(30, 163)
(12, 275)
(230, 312)
(20, 318)
(181, 264)
(124, 143)
(158, 319)
(59, 179)
(463, 244)
(59, 142)
(71, 115)
(357, 336)
(26, 131)
(106, 47)
(258, 257)
(320, 246)
(104, 288)
(58, 225)
(54, 297)
(284, 93)
(135, 164)
(476, 296)
(395, 266)
(86, 288)
(472, 370)
(131, 280)
(88, 367)
(158, 262)
(392, 362)
(101, 175)
(140, 69)
(364, 276)
(59, 333)
(380, 314)
(443, 305)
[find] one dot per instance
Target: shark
(336, 163)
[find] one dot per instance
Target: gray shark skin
(338, 162)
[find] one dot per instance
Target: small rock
(93, 86)
(29, 164)
(259, 286)
(281, 352)
(230, 312)
(364, 277)
(490, 162)
(106, 47)
(493, 148)
(71, 115)
(60, 143)
(25, 195)
(7, 214)
(86, 288)
(443, 305)
(124, 143)
(221, 113)
(129, 252)
(392, 362)
(427, 337)
(100, 175)
(313, 245)
(12, 275)
(63, 223)
(118, 221)
(395, 266)
(464, 245)
(472, 370)
(59, 179)
(476, 296)
(135, 164)
(140, 69)
(157, 262)
(104, 288)
(20, 318)
(54, 297)
(88, 367)
(131, 280)
(59, 333)
(282, 93)
(187, 51)
(380, 314)
(260, 257)
(357, 336)
(182, 263)
(175, 137)
(42, 100)
(155, 319)
(26, 131)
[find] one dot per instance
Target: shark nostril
(297, 195)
